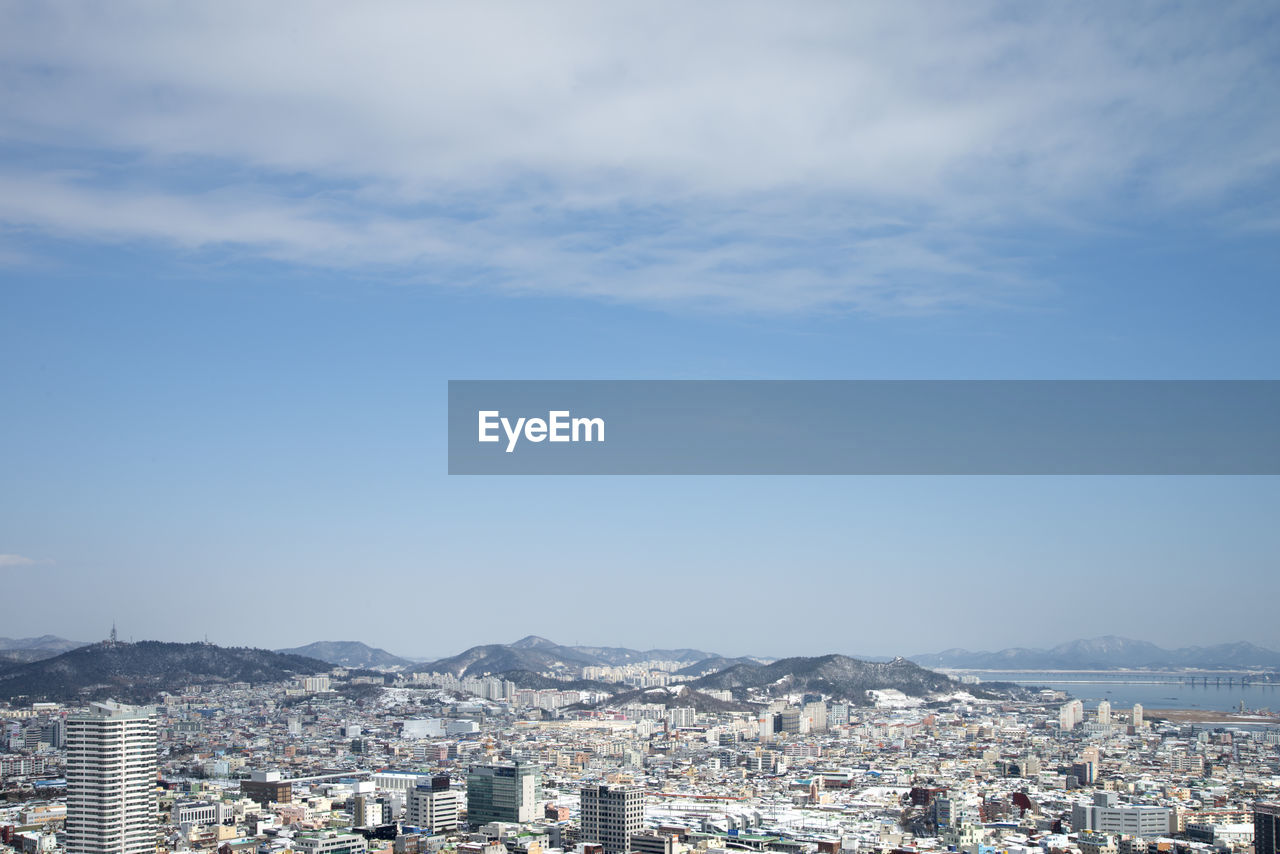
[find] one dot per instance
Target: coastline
(1209, 716)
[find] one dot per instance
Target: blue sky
(243, 248)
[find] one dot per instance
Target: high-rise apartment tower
(111, 780)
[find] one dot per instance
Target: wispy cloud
(724, 154)
(20, 560)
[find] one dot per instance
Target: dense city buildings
(408, 763)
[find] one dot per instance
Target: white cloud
(753, 155)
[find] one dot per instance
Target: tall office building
(111, 780)
(1104, 712)
(1137, 716)
(611, 815)
(502, 793)
(1266, 828)
(433, 805)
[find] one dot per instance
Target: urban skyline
(499, 769)
(261, 264)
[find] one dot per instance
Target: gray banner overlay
(864, 427)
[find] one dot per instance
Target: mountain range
(139, 672)
(532, 653)
(714, 664)
(835, 675)
(24, 650)
(1107, 653)
(53, 668)
(539, 655)
(617, 656)
(50, 643)
(349, 654)
(672, 697)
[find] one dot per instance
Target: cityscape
(731, 427)
(643, 755)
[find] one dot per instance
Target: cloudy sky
(244, 246)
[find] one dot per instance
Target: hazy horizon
(126, 637)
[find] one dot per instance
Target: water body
(1153, 690)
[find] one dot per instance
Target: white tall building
(434, 805)
(1104, 712)
(680, 716)
(111, 780)
(1071, 714)
(1137, 716)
